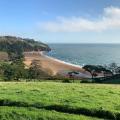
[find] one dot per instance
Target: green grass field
(21, 113)
(58, 101)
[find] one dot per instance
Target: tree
(72, 74)
(117, 71)
(8, 71)
(95, 69)
(19, 69)
(113, 66)
(36, 72)
(13, 70)
(33, 71)
(92, 69)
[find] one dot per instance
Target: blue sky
(62, 21)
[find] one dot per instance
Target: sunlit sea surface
(82, 54)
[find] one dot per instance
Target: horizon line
(79, 43)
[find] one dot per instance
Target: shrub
(65, 80)
(86, 81)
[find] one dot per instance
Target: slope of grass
(14, 113)
(98, 100)
(74, 95)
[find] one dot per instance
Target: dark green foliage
(65, 80)
(95, 69)
(113, 66)
(15, 46)
(19, 70)
(117, 70)
(13, 71)
(92, 69)
(35, 72)
(8, 71)
(111, 73)
(86, 81)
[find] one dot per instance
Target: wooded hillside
(15, 46)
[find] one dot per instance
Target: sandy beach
(54, 65)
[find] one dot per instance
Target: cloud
(110, 19)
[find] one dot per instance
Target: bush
(66, 81)
(86, 81)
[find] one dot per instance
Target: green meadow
(59, 101)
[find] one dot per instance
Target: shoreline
(53, 65)
(57, 60)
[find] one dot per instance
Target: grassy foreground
(59, 101)
(15, 113)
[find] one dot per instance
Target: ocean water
(82, 54)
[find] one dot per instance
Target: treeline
(103, 73)
(15, 46)
(15, 71)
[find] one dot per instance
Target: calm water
(82, 54)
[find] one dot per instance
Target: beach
(54, 65)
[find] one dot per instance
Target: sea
(84, 54)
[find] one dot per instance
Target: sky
(62, 21)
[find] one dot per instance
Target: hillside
(59, 101)
(15, 46)
(3, 56)
(12, 43)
